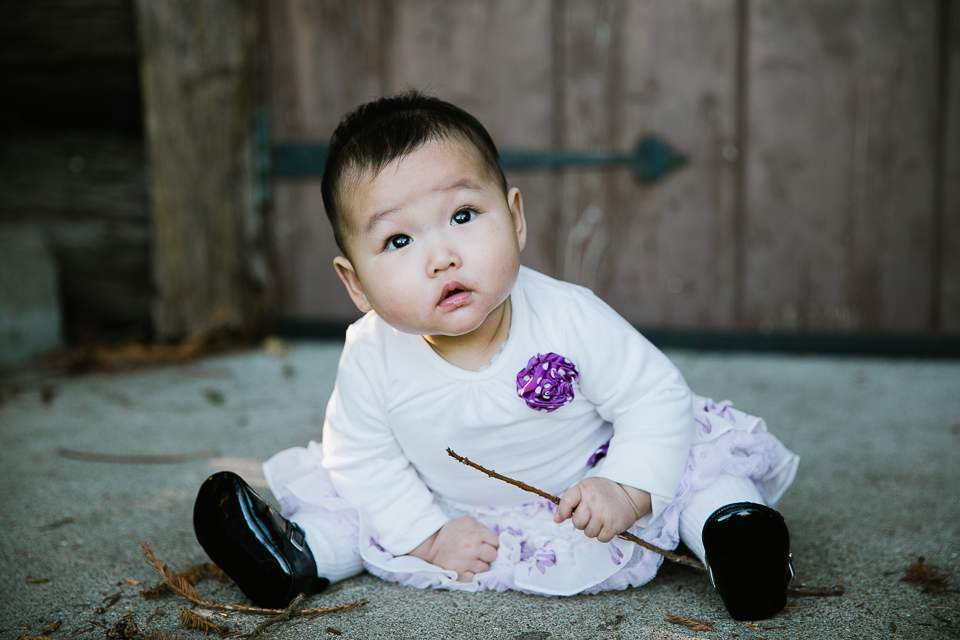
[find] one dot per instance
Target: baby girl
(462, 347)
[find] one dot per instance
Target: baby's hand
(462, 545)
(601, 508)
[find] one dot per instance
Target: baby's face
(434, 243)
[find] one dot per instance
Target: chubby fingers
(487, 536)
(487, 554)
(568, 502)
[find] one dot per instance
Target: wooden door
(820, 193)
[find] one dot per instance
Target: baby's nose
(443, 257)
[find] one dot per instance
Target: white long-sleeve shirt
(397, 406)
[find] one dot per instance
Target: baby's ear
(350, 280)
(515, 202)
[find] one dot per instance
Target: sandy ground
(877, 488)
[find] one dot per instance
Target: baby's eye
(463, 216)
(398, 241)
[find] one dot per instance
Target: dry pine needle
(693, 625)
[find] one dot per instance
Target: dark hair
(376, 133)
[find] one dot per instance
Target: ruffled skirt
(537, 555)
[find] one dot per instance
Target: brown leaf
(927, 575)
(695, 625)
(130, 581)
(124, 629)
(50, 628)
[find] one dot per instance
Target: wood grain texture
(87, 194)
(840, 166)
(325, 59)
(809, 200)
(949, 233)
(495, 60)
(69, 65)
(662, 255)
(492, 58)
(197, 70)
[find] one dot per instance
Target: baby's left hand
(601, 508)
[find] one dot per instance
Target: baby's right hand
(462, 545)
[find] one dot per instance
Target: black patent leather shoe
(263, 552)
(748, 556)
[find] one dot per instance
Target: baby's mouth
(454, 294)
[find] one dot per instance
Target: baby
(462, 347)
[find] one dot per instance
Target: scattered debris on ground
(197, 622)
(692, 624)
(181, 586)
(928, 575)
(172, 458)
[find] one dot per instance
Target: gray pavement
(877, 488)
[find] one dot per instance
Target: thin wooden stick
(178, 585)
(800, 589)
(626, 535)
(257, 634)
(803, 590)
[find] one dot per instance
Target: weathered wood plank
(494, 59)
(662, 254)
(840, 173)
(949, 234)
(325, 59)
(197, 70)
(69, 65)
(87, 194)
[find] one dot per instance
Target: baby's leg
(332, 538)
(726, 489)
(271, 557)
(745, 545)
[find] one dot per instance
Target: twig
(493, 474)
(184, 589)
(800, 589)
(804, 590)
(172, 458)
(257, 633)
(690, 623)
(626, 535)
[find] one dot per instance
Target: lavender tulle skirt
(536, 555)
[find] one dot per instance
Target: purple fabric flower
(546, 383)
